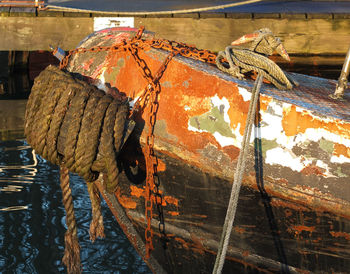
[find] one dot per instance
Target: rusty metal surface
(202, 114)
(270, 232)
(303, 139)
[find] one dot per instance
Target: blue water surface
(32, 220)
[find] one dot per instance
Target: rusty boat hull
(293, 211)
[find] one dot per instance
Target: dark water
(32, 222)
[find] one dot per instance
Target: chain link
(149, 98)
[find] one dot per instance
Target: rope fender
(77, 126)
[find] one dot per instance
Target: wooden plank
(300, 35)
(194, 15)
(4, 11)
(76, 14)
(22, 12)
(239, 15)
(341, 16)
(37, 33)
(319, 15)
(266, 15)
(316, 36)
(46, 13)
(293, 15)
(204, 15)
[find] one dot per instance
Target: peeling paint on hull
(299, 208)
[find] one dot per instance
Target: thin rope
(231, 209)
(58, 8)
(71, 257)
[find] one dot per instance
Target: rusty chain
(150, 98)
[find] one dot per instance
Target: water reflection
(32, 220)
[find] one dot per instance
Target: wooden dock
(314, 30)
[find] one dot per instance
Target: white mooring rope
(232, 206)
(138, 13)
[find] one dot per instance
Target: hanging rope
(96, 225)
(71, 257)
(242, 158)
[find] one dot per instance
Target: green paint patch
(326, 146)
(212, 122)
(267, 145)
(339, 172)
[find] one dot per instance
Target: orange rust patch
(245, 253)
(340, 149)
(173, 213)
(337, 234)
(264, 102)
(232, 152)
(198, 250)
(161, 165)
(313, 170)
(200, 216)
(125, 201)
(138, 192)
(171, 200)
(88, 63)
(317, 240)
(300, 228)
(182, 242)
(284, 204)
(239, 230)
(295, 122)
(197, 244)
(187, 93)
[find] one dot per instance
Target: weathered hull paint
(294, 207)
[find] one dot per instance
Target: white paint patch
(279, 156)
(327, 173)
(223, 140)
(245, 94)
(340, 159)
(112, 22)
(191, 128)
(272, 129)
(187, 108)
(100, 81)
(132, 102)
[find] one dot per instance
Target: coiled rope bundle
(79, 127)
(249, 53)
(243, 60)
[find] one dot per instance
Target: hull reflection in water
(32, 221)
